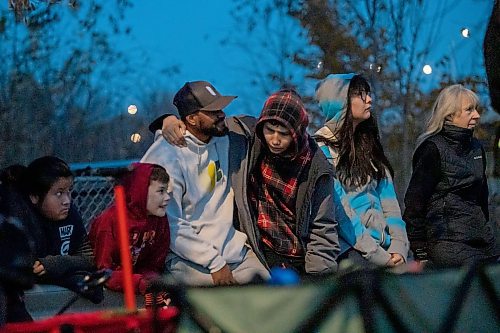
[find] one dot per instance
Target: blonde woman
(447, 198)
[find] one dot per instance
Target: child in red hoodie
(147, 194)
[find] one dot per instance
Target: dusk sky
(188, 33)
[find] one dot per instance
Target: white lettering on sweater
(65, 233)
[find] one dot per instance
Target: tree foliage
(58, 60)
(387, 41)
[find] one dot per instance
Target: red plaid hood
(274, 180)
(286, 107)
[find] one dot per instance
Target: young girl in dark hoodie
(40, 197)
(147, 195)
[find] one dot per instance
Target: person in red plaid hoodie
(290, 191)
(290, 221)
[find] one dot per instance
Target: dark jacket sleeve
(483, 200)
(323, 247)
(158, 122)
(425, 176)
(58, 266)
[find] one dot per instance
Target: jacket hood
(331, 94)
(136, 184)
(286, 107)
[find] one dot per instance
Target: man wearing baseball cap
(247, 153)
(206, 249)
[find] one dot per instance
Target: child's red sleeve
(103, 241)
(116, 282)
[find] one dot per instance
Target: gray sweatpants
(191, 274)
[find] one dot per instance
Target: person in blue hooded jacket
(371, 230)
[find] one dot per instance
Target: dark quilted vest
(455, 212)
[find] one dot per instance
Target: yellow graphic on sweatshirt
(211, 174)
(214, 173)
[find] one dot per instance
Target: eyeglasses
(363, 94)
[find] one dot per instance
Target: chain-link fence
(91, 195)
(94, 185)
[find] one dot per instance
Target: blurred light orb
(132, 109)
(319, 66)
(379, 68)
(135, 138)
(427, 69)
(465, 32)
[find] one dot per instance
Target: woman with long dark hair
(371, 229)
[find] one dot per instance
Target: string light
(135, 138)
(427, 69)
(132, 109)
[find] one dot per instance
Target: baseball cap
(199, 96)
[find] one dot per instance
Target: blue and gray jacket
(369, 216)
